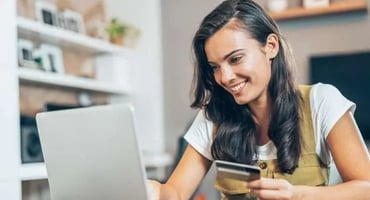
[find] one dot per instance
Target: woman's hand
(269, 189)
(154, 189)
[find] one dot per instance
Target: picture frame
(46, 12)
(25, 53)
(315, 3)
(61, 21)
(74, 21)
(51, 58)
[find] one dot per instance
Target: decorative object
(315, 3)
(61, 21)
(116, 30)
(277, 5)
(74, 21)
(51, 58)
(25, 53)
(112, 68)
(30, 143)
(46, 12)
(95, 19)
(96, 28)
(26, 8)
(122, 33)
(85, 99)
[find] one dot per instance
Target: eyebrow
(231, 53)
(228, 55)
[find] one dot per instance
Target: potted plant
(116, 31)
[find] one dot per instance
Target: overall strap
(308, 134)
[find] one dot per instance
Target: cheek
(264, 67)
(265, 72)
(217, 77)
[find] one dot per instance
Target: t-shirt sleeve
(328, 105)
(199, 135)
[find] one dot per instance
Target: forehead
(226, 40)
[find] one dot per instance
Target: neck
(261, 114)
(261, 111)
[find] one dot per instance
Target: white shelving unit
(12, 172)
(35, 30)
(33, 171)
(70, 81)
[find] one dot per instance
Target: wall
(147, 69)
(344, 33)
(9, 151)
(179, 26)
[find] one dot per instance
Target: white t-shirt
(327, 106)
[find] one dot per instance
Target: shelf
(338, 7)
(33, 171)
(36, 171)
(69, 81)
(34, 30)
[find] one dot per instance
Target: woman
(253, 113)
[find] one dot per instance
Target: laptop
(92, 153)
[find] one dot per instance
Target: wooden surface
(33, 97)
(335, 7)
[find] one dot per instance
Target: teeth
(237, 87)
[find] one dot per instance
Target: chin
(240, 101)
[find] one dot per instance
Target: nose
(227, 75)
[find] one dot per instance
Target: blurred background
(59, 54)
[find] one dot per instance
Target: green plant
(122, 33)
(116, 29)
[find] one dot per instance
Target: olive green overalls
(310, 170)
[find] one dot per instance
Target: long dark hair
(236, 137)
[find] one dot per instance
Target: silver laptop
(92, 153)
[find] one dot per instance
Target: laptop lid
(92, 153)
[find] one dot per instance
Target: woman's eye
(213, 67)
(235, 59)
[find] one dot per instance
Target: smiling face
(241, 65)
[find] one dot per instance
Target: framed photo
(61, 21)
(315, 3)
(46, 12)
(74, 21)
(51, 58)
(25, 53)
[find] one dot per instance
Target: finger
(267, 183)
(263, 183)
(271, 194)
(153, 189)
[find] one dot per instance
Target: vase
(117, 40)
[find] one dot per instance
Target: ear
(272, 46)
